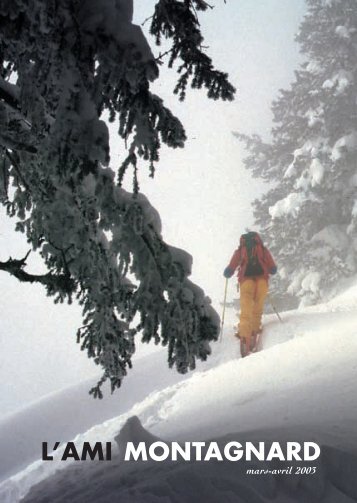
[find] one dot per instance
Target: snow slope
(22, 432)
(301, 386)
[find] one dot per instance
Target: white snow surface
(301, 385)
(289, 205)
(341, 80)
(316, 172)
(345, 143)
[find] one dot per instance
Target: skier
(254, 263)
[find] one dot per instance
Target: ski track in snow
(303, 380)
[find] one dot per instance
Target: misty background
(203, 192)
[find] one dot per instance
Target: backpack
(252, 254)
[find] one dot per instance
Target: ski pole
(274, 309)
(224, 310)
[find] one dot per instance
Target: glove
(228, 272)
(273, 270)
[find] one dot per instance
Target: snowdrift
(213, 482)
(300, 387)
(62, 415)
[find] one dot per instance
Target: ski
(257, 345)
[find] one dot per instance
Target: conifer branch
(15, 267)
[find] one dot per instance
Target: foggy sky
(202, 192)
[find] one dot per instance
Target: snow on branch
(310, 160)
(62, 65)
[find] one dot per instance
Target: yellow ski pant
(253, 292)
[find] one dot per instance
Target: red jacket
(266, 261)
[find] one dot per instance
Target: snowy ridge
(150, 482)
(22, 432)
(300, 386)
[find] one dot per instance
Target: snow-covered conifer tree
(309, 216)
(63, 66)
